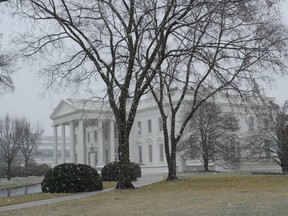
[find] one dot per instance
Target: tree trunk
(284, 151)
(206, 165)
(284, 163)
(9, 172)
(124, 176)
(26, 167)
(206, 160)
(172, 172)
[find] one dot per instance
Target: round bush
(110, 171)
(136, 169)
(71, 178)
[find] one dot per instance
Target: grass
(5, 201)
(201, 194)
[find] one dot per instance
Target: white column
(63, 144)
(55, 140)
(72, 143)
(112, 142)
(92, 159)
(81, 143)
(100, 143)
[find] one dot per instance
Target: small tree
(11, 135)
(29, 142)
(271, 139)
(212, 136)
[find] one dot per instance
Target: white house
(93, 135)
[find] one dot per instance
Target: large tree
(234, 47)
(122, 43)
(126, 43)
(211, 136)
(270, 140)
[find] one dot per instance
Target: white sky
(26, 101)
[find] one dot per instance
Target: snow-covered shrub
(71, 178)
(110, 171)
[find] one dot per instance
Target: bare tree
(11, 135)
(234, 47)
(122, 43)
(212, 136)
(125, 43)
(270, 140)
(30, 140)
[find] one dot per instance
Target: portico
(91, 133)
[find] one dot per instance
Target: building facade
(92, 134)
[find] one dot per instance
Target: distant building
(44, 153)
(87, 130)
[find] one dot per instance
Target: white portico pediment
(63, 108)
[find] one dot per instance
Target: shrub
(110, 171)
(33, 169)
(71, 178)
(136, 169)
(40, 170)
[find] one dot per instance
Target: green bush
(71, 178)
(136, 169)
(110, 171)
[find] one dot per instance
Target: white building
(92, 134)
(44, 153)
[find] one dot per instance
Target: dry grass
(5, 201)
(213, 194)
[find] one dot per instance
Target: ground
(197, 194)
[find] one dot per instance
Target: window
(139, 127)
(95, 135)
(160, 122)
(88, 136)
(149, 126)
(140, 154)
(161, 151)
(150, 153)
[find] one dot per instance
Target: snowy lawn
(199, 194)
(5, 201)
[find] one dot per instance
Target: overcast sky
(26, 101)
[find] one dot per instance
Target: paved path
(144, 180)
